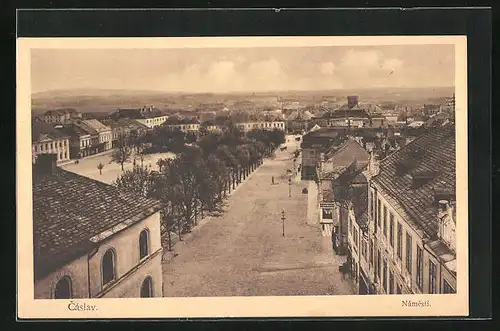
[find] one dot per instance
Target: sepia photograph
(205, 169)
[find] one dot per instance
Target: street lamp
(283, 220)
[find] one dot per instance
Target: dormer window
(421, 178)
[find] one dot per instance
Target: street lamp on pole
(283, 221)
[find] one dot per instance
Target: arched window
(108, 267)
(147, 288)
(63, 288)
(143, 244)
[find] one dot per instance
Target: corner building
(412, 212)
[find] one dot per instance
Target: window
(108, 267)
(400, 241)
(378, 264)
(327, 214)
(391, 283)
(384, 218)
(384, 280)
(355, 239)
(447, 287)
(371, 252)
(143, 244)
(420, 269)
(147, 288)
(63, 288)
(408, 252)
(370, 205)
(432, 277)
(391, 229)
(379, 207)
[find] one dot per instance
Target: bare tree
(122, 153)
(100, 166)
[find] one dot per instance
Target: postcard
(242, 177)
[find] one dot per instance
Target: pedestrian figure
(272, 180)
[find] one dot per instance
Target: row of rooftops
(413, 179)
(81, 128)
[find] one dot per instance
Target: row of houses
(393, 216)
(78, 138)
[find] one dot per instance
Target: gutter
(89, 256)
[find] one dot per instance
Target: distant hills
(106, 100)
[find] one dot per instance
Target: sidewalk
(187, 238)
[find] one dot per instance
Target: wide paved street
(243, 252)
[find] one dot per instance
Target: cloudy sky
(244, 69)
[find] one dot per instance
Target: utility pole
(283, 221)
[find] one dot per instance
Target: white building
(104, 243)
(248, 126)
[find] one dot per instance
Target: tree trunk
(179, 229)
(122, 166)
(169, 240)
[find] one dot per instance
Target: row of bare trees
(128, 146)
(199, 178)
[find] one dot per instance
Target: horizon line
(244, 91)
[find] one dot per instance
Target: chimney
(442, 213)
(46, 164)
(373, 165)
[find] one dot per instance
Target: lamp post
(283, 221)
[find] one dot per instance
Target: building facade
(148, 116)
(411, 234)
(47, 139)
(51, 144)
(113, 251)
(248, 126)
(60, 116)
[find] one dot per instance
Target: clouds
(327, 68)
(245, 69)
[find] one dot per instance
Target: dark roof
(86, 128)
(60, 111)
(174, 120)
(433, 155)
(348, 152)
(124, 122)
(137, 113)
(69, 209)
(40, 129)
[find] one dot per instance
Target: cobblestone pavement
(244, 253)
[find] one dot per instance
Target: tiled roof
(85, 128)
(350, 151)
(96, 125)
(69, 209)
(124, 122)
(432, 152)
